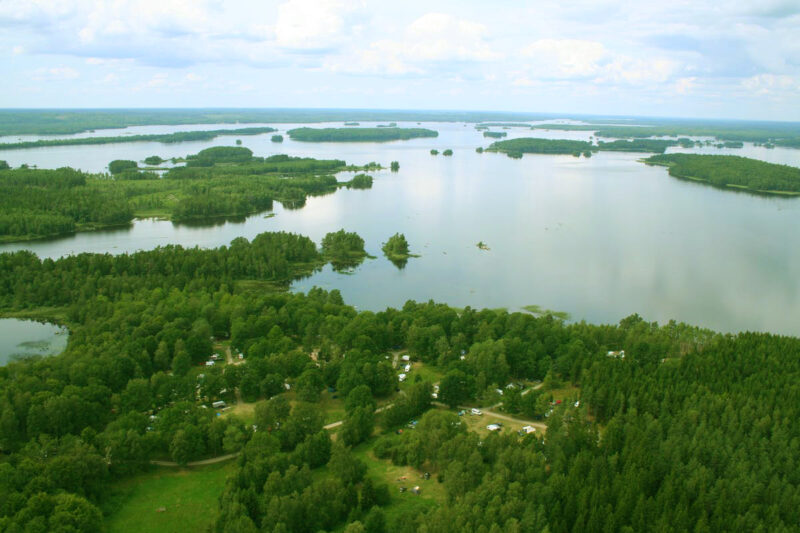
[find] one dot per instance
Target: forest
(380, 134)
(676, 428)
(218, 181)
(637, 145)
(516, 147)
(730, 171)
(166, 138)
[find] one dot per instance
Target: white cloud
(685, 85)
(433, 40)
(313, 24)
(565, 58)
(636, 71)
(54, 74)
(771, 83)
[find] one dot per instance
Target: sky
(715, 59)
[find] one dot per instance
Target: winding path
(213, 460)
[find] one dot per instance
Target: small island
(732, 172)
(396, 250)
(349, 134)
(434, 151)
(482, 246)
(447, 152)
(360, 181)
(495, 134)
(277, 138)
(344, 250)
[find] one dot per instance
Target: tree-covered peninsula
(166, 138)
(219, 181)
(730, 171)
(359, 134)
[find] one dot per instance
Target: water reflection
(600, 238)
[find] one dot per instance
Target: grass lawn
(425, 372)
(189, 497)
(566, 394)
(246, 411)
(403, 503)
(333, 407)
(478, 423)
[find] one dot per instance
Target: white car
(476, 412)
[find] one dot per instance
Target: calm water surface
(24, 338)
(600, 238)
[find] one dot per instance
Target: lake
(24, 338)
(599, 238)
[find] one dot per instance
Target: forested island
(628, 427)
(396, 250)
(218, 181)
(529, 145)
(730, 171)
(343, 249)
(166, 138)
(657, 146)
(381, 134)
(495, 134)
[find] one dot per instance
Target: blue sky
(679, 58)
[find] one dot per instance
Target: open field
(188, 498)
(403, 503)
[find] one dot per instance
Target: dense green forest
(676, 428)
(167, 138)
(732, 171)
(515, 147)
(359, 134)
(528, 145)
(343, 249)
(637, 145)
(218, 181)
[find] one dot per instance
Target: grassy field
(188, 497)
(403, 503)
(478, 423)
(426, 373)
